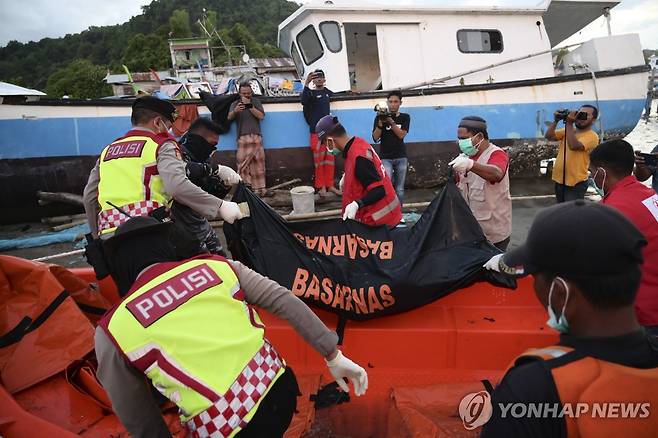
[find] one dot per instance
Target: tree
(180, 24)
(240, 35)
(145, 52)
(208, 21)
(79, 80)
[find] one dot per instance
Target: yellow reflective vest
(187, 327)
(129, 179)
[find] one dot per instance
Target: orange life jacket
(619, 398)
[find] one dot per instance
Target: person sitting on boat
(611, 164)
(482, 174)
(316, 103)
(390, 130)
(577, 140)
(143, 171)
(197, 146)
(189, 327)
(368, 194)
(250, 158)
(586, 260)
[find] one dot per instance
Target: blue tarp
(44, 239)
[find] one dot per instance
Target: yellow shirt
(577, 161)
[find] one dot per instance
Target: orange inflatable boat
(420, 363)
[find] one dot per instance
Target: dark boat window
(310, 45)
(479, 41)
(331, 33)
(297, 60)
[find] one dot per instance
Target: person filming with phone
(248, 111)
(577, 139)
(646, 166)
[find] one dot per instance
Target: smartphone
(649, 159)
(248, 105)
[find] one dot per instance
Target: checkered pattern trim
(108, 219)
(228, 413)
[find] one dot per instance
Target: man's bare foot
(335, 191)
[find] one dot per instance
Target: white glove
(228, 175)
(341, 367)
(230, 212)
(340, 183)
(494, 263)
(350, 210)
(462, 163)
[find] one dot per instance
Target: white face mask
(162, 127)
(561, 324)
(333, 150)
(599, 189)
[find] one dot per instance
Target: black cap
(319, 72)
(160, 106)
(139, 225)
(578, 238)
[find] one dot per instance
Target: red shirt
(639, 204)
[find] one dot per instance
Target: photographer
(316, 103)
(643, 171)
(248, 111)
(197, 147)
(390, 128)
(577, 139)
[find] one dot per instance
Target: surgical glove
(350, 210)
(341, 367)
(230, 212)
(228, 175)
(462, 164)
(341, 182)
(494, 263)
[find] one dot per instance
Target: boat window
(310, 45)
(297, 60)
(331, 33)
(479, 41)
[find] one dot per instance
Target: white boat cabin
(370, 46)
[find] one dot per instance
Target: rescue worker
(143, 171)
(586, 260)
(368, 194)
(189, 328)
(197, 147)
(482, 173)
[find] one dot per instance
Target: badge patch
(651, 204)
(126, 149)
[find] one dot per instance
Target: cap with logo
(138, 225)
(577, 238)
(162, 107)
(326, 126)
(319, 73)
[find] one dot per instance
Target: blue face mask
(467, 147)
(561, 324)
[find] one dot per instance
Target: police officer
(197, 147)
(586, 260)
(143, 171)
(368, 194)
(189, 327)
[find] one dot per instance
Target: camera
(562, 114)
(382, 111)
(248, 105)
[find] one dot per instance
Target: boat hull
(53, 145)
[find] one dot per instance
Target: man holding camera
(390, 127)
(316, 103)
(248, 111)
(577, 139)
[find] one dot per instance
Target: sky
(31, 20)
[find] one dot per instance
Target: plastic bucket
(303, 199)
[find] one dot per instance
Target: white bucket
(303, 199)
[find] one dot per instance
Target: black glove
(96, 257)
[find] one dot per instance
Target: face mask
(592, 182)
(561, 324)
(162, 126)
(333, 151)
(467, 147)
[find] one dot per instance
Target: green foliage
(180, 24)
(32, 64)
(145, 52)
(79, 80)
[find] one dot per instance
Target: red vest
(386, 211)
